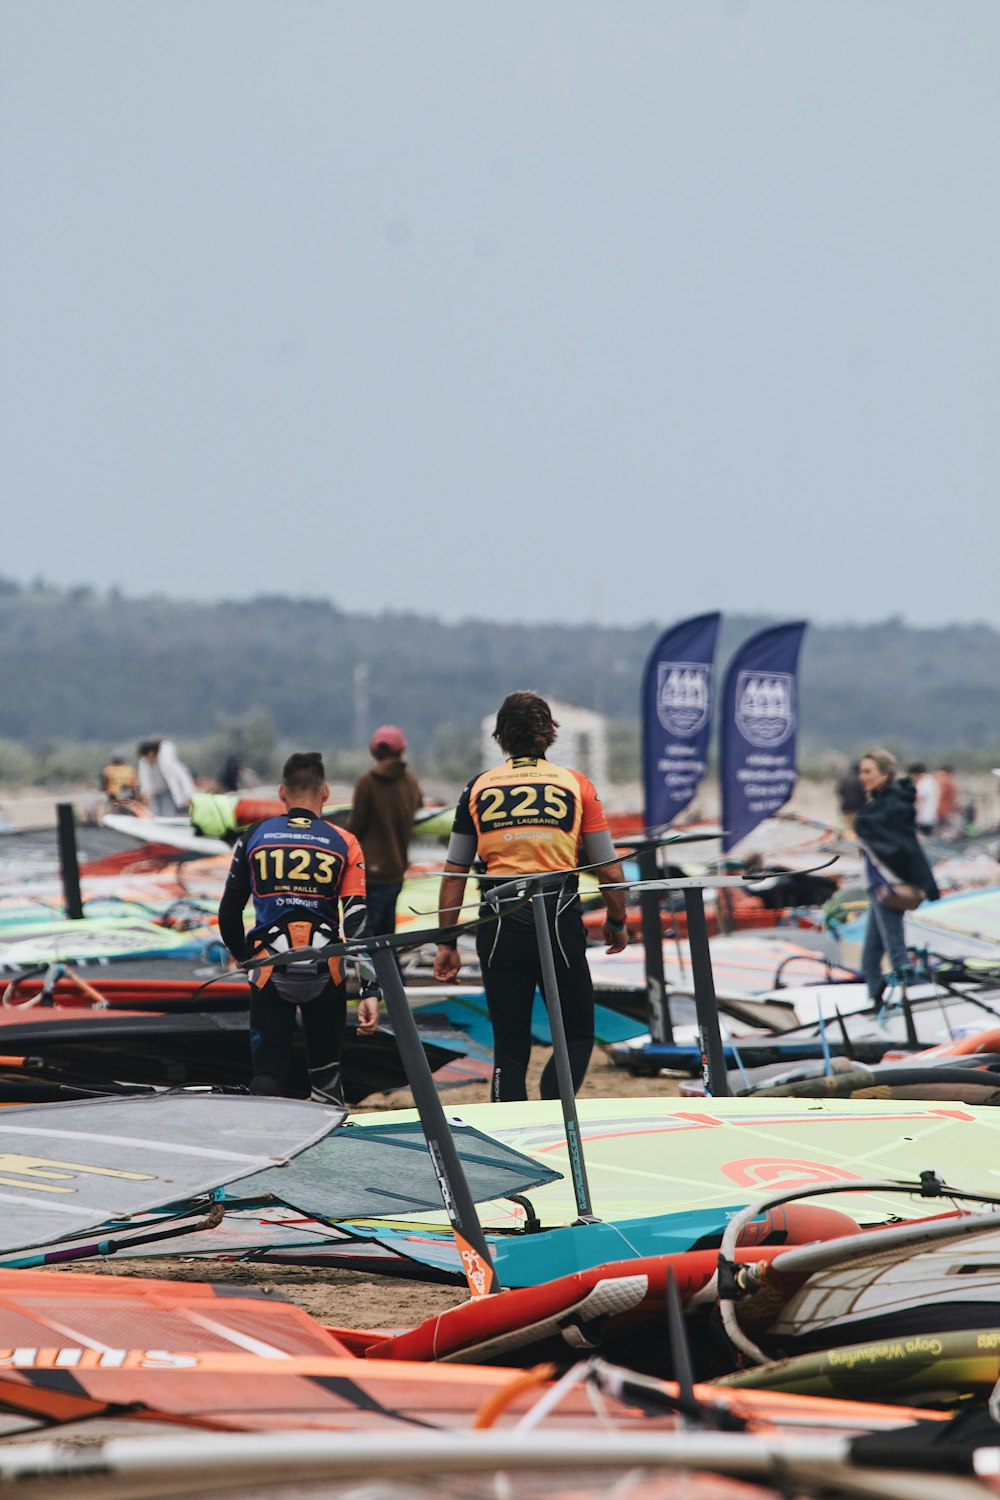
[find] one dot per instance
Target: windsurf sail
(658, 1155)
(93, 1319)
(912, 1282)
(50, 942)
(385, 1170)
(200, 1357)
(68, 1168)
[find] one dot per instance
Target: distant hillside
(81, 665)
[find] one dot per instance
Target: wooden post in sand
(69, 865)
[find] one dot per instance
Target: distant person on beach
(236, 775)
(850, 796)
(928, 798)
(301, 873)
(948, 819)
(896, 867)
(525, 817)
(166, 785)
(119, 780)
(383, 808)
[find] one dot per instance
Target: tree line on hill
(81, 666)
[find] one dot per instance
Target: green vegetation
(82, 672)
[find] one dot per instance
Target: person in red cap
(384, 805)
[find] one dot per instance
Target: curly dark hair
(525, 725)
(304, 772)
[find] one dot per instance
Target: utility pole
(362, 715)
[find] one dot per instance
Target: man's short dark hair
(525, 725)
(303, 771)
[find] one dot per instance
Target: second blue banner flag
(757, 735)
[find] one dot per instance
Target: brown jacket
(385, 802)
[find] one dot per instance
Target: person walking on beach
(948, 822)
(300, 871)
(166, 785)
(527, 817)
(119, 780)
(928, 797)
(896, 868)
(383, 807)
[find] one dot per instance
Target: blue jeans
(381, 903)
(884, 933)
(162, 805)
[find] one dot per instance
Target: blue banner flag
(677, 716)
(758, 731)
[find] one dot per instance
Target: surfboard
(966, 925)
(468, 1012)
(528, 1260)
(933, 1366)
(156, 984)
(850, 1025)
(176, 832)
(746, 967)
(618, 1308)
(182, 1048)
(571, 1313)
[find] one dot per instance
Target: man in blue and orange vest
(301, 872)
(531, 816)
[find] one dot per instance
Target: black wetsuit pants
(272, 1030)
(512, 969)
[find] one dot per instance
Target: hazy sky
(545, 310)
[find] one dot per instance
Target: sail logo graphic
(43, 1175)
(478, 1273)
(683, 696)
(765, 708)
(70, 1357)
(786, 1172)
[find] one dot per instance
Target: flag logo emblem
(683, 696)
(765, 707)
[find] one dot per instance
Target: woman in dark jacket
(886, 829)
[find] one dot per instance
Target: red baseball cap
(388, 737)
